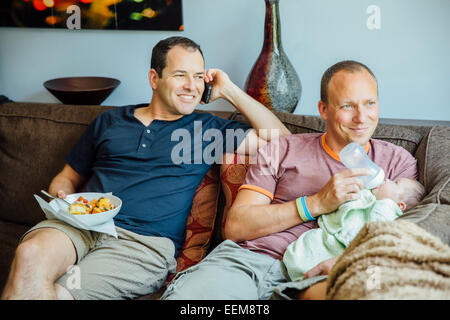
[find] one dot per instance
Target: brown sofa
(35, 137)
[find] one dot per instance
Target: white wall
(409, 54)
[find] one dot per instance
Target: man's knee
(41, 249)
(27, 253)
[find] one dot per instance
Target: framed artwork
(93, 14)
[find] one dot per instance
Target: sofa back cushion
(434, 158)
(34, 140)
(433, 214)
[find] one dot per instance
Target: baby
(385, 203)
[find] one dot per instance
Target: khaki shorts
(108, 268)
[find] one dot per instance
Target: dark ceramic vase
(273, 80)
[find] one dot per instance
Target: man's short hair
(160, 50)
(347, 65)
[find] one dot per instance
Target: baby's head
(407, 193)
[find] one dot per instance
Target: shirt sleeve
(405, 165)
(263, 175)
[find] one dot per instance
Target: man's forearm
(66, 182)
(246, 222)
(60, 183)
(260, 118)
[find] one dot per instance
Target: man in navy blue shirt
(151, 156)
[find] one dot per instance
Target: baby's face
(394, 190)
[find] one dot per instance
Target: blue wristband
(305, 209)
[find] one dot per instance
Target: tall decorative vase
(273, 80)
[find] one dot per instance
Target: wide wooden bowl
(81, 90)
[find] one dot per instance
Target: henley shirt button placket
(145, 137)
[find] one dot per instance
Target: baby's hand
(322, 268)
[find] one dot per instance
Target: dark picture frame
(93, 14)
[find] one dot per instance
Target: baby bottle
(354, 156)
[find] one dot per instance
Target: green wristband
(300, 210)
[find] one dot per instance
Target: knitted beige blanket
(392, 260)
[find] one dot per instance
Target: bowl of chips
(93, 208)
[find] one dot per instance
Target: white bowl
(96, 218)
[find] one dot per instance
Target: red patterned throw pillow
(200, 223)
(232, 175)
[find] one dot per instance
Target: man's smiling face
(352, 110)
(181, 84)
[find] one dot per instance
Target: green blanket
(336, 231)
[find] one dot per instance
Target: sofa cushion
(404, 136)
(434, 212)
(34, 139)
(432, 217)
(436, 163)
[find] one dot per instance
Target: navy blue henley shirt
(154, 169)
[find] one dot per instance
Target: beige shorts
(108, 268)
